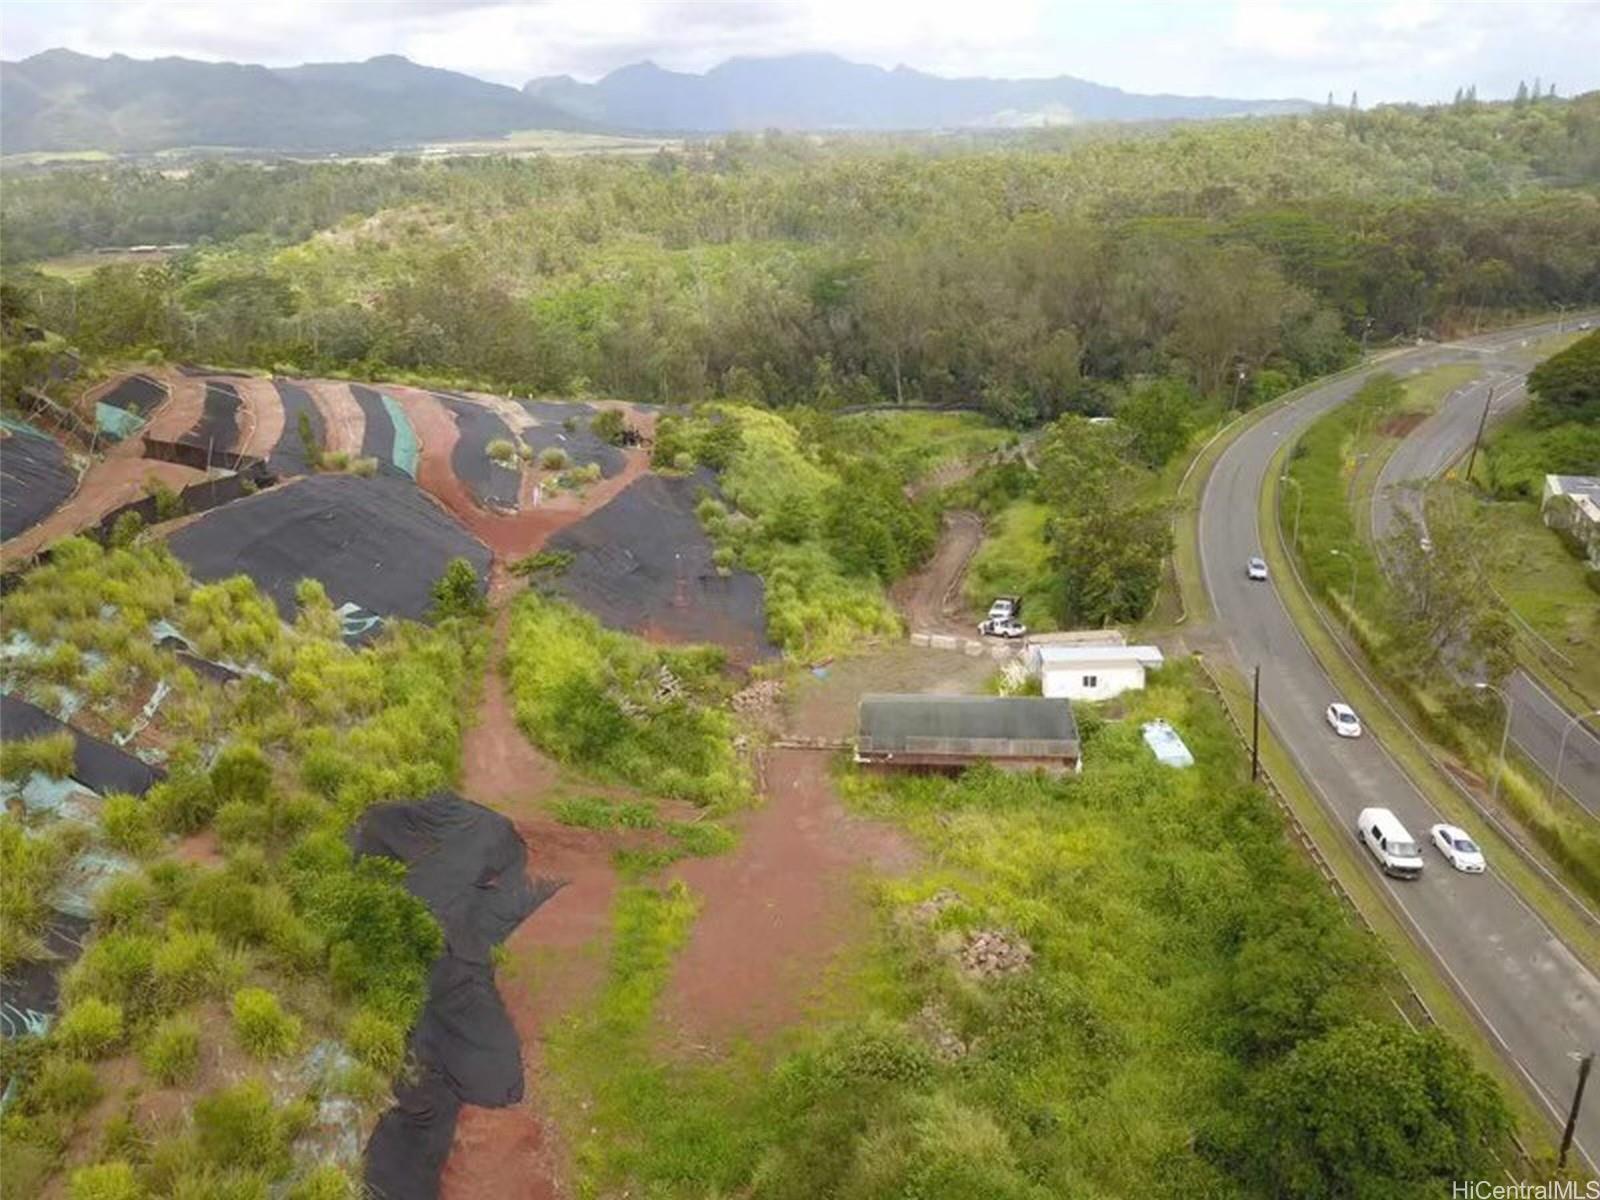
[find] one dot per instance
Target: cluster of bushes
(288, 930)
(597, 699)
(1560, 432)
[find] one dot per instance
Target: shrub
(376, 1041)
(171, 1054)
(126, 529)
(64, 1086)
(364, 468)
(457, 592)
(116, 967)
(326, 1182)
(242, 1128)
(129, 826)
(90, 1029)
(187, 966)
(105, 1181)
(169, 504)
(263, 1028)
(553, 459)
(52, 756)
(125, 902)
(501, 451)
(609, 425)
(241, 773)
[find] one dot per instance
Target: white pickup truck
(1004, 619)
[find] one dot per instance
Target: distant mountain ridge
(61, 100)
(826, 92)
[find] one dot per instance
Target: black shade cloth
(137, 394)
(97, 765)
(379, 543)
(218, 426)
(469, 866)
(643, 563)
(34, 480)
(489, 482)
(31, 990)
(377, 433)
(288, 457)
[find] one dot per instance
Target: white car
(1256, 568)
(1343, 719)
(1462, 851)
(1008, 627)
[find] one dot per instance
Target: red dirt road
(261, 422)
(777, 909)
(344, 425)
(931, 599)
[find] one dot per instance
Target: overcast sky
(1386, 49)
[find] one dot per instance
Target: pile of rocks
(758, 702)
(992, 953)
(668, 685)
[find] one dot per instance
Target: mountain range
(825, 92)
(60, 100)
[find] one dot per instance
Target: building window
(1091, 681)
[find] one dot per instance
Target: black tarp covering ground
(377, 434)
(469, 866)
(378, 542)
(288, 457)
(137, 393)
(99, 766)
(477, 426)
(30, 992)
(582, 447)
(643, 563)
(218, 426)
(34, 479)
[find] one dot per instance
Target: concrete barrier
(921, 639)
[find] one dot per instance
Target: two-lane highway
(1539, 722)
(1539, 1003)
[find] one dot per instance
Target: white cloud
(1386, 49)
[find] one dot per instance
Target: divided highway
(1537, 1001)
(1538, 719)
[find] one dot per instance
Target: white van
(1396, 850)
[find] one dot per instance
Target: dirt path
(931, 598)
(261, 416)
(185, 403)
(344, 425)
(776, 910)
(507, 536)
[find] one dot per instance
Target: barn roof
(976, 726)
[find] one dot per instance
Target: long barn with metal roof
(949, 733)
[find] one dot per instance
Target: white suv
(1396, 850)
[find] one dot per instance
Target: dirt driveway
(930, 599)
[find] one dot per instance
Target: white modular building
(1091, 672)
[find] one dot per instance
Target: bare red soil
(930, 599)
(343, 423)
(777, 909)
(508, 536)
(261, 416)
(185, 404)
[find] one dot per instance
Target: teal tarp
(405, 438)
(117, 423)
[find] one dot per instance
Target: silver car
(1256, 568)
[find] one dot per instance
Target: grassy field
(1544, 584)
(1014, 560)
(79, 266)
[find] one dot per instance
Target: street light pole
(1505, 733)
(1585, 1065)
(1366, 328)
(1482, 421)
(1572, 723)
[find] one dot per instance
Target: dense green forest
(1031, 275)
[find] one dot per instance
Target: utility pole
(1585, 1065)
(1237, 383)
(1366, 328)
(1255, 730)
(1482, 421)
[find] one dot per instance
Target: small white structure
(1091, 672)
